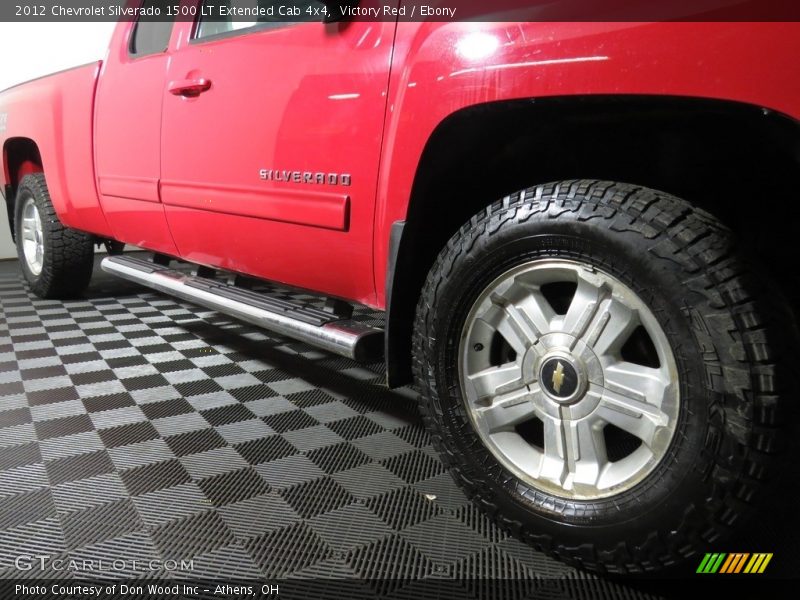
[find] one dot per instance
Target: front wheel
(57, 261)
(603, 380)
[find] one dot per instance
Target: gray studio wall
(48, 47)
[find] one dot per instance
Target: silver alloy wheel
(32, 237)
(549, 393)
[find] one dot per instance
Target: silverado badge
(309, 177)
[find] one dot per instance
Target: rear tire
(714, 314)
(57, 261)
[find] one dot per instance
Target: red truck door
(271, 140)
(128, 132)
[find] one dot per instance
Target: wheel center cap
(561, 378)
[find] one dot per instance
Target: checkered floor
(134, 427)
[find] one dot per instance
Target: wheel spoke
(553, 465)
(574, 452)
(587, 450)
(632, 414)
(535, 309)
(497, 381)
(28, 229)
(584, 307)
(611, 327)
(29, 249)
(636, 381)
(505, 412)
(511, 323)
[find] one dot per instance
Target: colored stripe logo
(736, 562)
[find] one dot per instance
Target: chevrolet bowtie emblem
(558, 377)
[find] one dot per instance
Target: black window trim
(137, 55)
(256, 28)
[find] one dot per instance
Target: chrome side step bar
(304, 323)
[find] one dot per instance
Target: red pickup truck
(580, 233)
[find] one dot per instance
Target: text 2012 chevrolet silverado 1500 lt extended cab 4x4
(580, 234)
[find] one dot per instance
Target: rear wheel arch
(673, 144)
(21, 157)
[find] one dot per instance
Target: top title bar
(403, 10)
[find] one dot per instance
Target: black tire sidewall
(658, 502)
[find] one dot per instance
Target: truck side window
(216, 15)
(151, 34)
